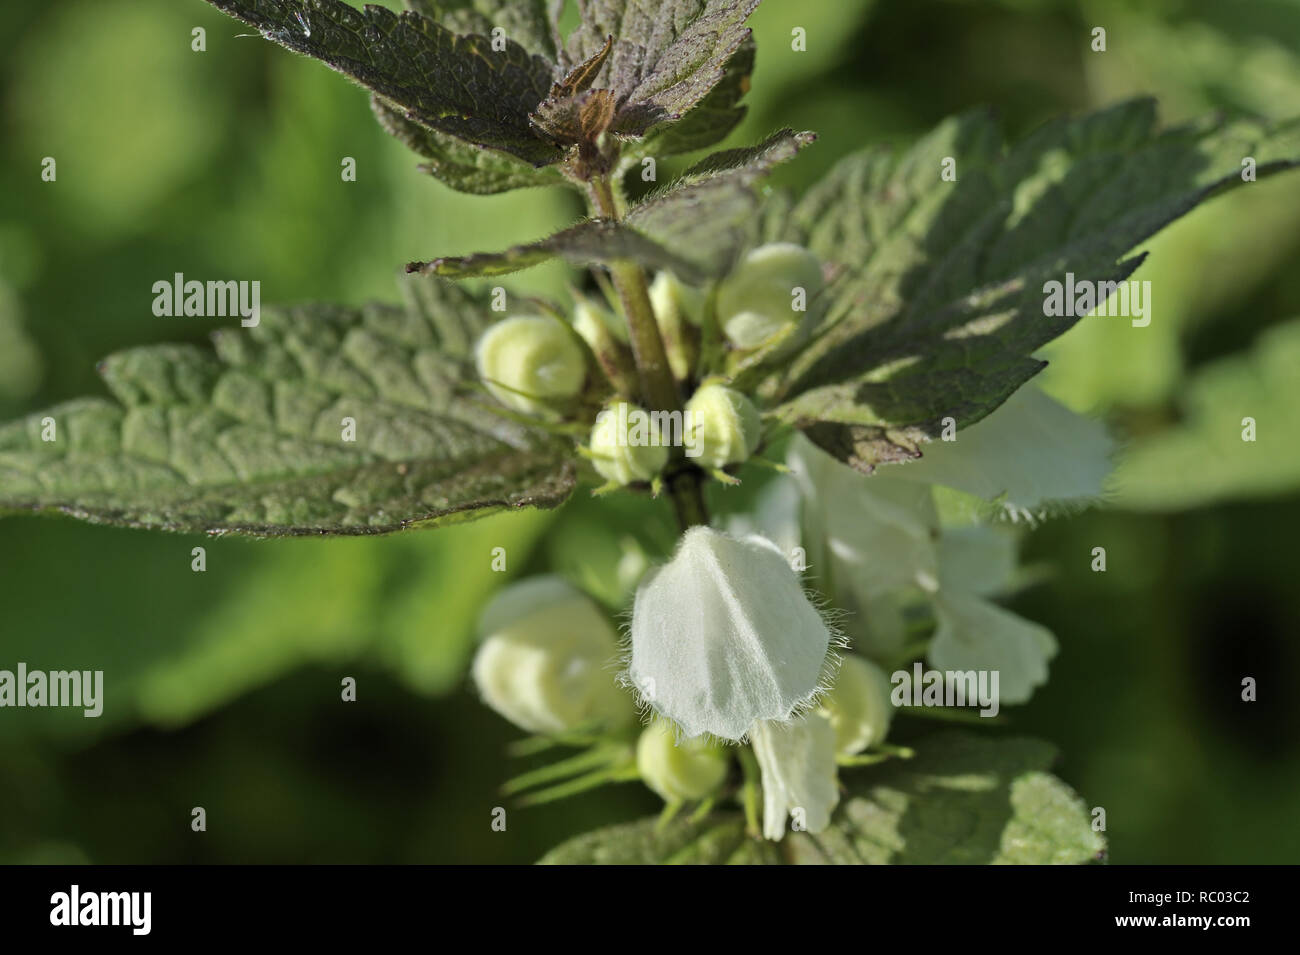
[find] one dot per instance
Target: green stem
(654, 374)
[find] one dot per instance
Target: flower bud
(625, 445)
(531, 363)
(606, 336)
(758, 299)
(679, 772)
(544, 660)
(723, 636)
(724, 426)
(677, 309)
(858, 705)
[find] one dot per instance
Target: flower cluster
(737, 651)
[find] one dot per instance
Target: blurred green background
(223, 687)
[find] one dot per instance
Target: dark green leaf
(524, 21)
(461, 166)
(694, 227)
(936, 302)
(250, 440)
(712, 120)
(589, 242)
(458, 85)
(667, 56)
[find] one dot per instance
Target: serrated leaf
(936, 305)
(667, 56)
(711, 120)
(718, 840)
(1204, 458)
(524, 21)
(964, 800)
(694, 227)
(457, 85)
(461, 166)
(249, 440)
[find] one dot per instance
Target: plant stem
(654, 375)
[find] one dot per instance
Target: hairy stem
(654, 375)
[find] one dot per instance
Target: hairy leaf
(667, 54)
(461, 166)
(524, 21)
(712, 120)
(937, 294)
(458, 85)
(965, 799)
(251, 439)
(718, 840)
(694, 227)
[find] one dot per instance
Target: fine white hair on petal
(723, 636)
(797, 763)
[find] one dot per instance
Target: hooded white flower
(544, 659)
(797, 761)
(723, 636)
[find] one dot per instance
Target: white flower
(797, 761)
(723, 636)
(544, 659)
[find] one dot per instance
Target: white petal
(723, 635)
(797, 761)
(974, 634)
(1031, 451)
(879, 531)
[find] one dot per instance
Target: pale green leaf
(1204, 458)
(252, 439)
(964, 800)
(718, 840)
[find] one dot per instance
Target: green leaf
(463, 167)
(712, 120)
(964, 800)
(1203, 458)
(694, 227)
(458, 85)
(718, 840)
(524, 21)
(251, 440)
(936, 299)
(667, 56)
